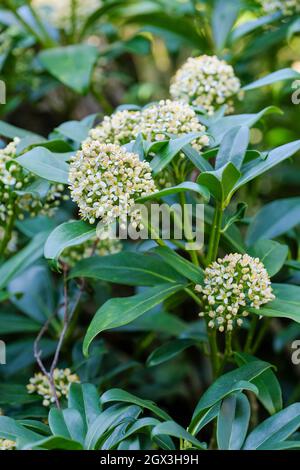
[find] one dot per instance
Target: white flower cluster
(59, 12)
(100, 247)
(232, 285)
(105, 181)
(286, 7)
(171, 118)
(63, 378)
(120, 128)
(207, 82)
(6, 444)
(13, 181)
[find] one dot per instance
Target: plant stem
(214, 352)
(261, 334)
(215, 234)
(187, 227)
(251, 333)
(14, 9)
(7, 234)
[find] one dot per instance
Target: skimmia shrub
(170, 232)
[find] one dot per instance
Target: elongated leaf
(285, 305)
(275, 429)
(172, 148)
(220, 182)
(71, 65)
(180, 264)
(54, 443)
(181, 188)
(45, 164)
(10, 429)
(250, 26)
(224, 16)
(272, 254)
(22, 260)
(13, 323)
(231, 382)
(233, 147)
(168, 351)
(197, 158)
(233, 422)
(67, 234)
(170, 428)
(116, 394)
(108, 316)
(74, 130)
(134, 269)
(274, 219)
(253, 169)
(269, 391)
(278, 76)
(10, 131)
(85, 399)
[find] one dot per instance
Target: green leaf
(278, 76)
(250, 26)
(85, 399)
(116, 394)
(71, 65)
(233, 422)
(233, 147)
(45, 164)
(10, 429)
(235, 380)
(54, 443)
(205, 418)
(197, 159)
(23, 259)
(180, 264)
(10, 131)
(269, 391)
(108, 316)
(67, 234)
(272, 254)
(168, 351)
(223, 18)
(67, 423)
(77, 131)
(253, 169)
(15, 395)
(170, 428)
(182, 187)
(285, 305)
(172, 148)
(275, 219)
(220, 182)
(131, 269)
(13, 323)
(275, 429)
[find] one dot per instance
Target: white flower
(105, 181)
(231, 285)
(59, 12)
(207, 82)
(100, 247)
(6, 444)
(286, 7)
(13, 183)
(120, 128)
(168, 118)
(63, 378)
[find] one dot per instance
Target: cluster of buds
(120, 128)
(7, 444)
(232, 285)
(206, 82)
(286, 7)
(63, 378)
(100, 247)
(168, 118)
(105, 182)
(59, 13)
(15, 199)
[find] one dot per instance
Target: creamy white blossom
(105, 181)
(120, 128)
(232, 285)
(100, 247)
(63, 378)
(168, 118)
(14, 182)
(59, 12)
(207, 82)
(286, 7)
(7, 444)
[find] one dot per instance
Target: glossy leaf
(233, 147)
(233, 422)
(181, 188)
(272, 254)
(170, 428)
(45, 164)
(278, 76)
(285, 305)
(168, 351)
